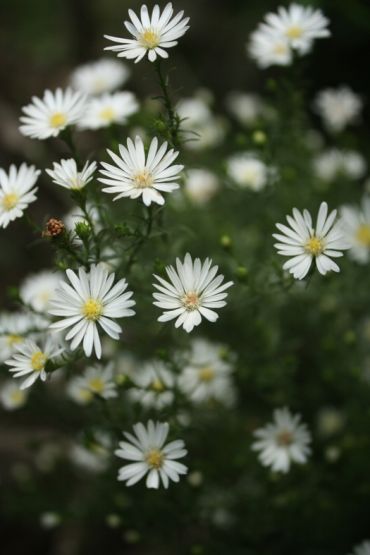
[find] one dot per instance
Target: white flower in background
(108, 109)
(66, 174)
(99, 77)
(334, 163)
(78, 392)
(247, 171)
(330, 421)
(91, 299)
(356, 230)
(200, 185)
(354, 164)
(268, 48)
(206, 376)
(193, 290)
(48, 116)
(95, 380)
(12, 397)
(125, 367)
(154, 385)
(362, 548)
(247, 108)
(30, 360)
(76, 215)
(17, 191)
(137, 174)
(15, 327)
(151, 456)
(338, 107)
(50, 520)
(202, 128)
(94, 455)
(37, 290)
(303, 243)
(152, 34)
(284, 441)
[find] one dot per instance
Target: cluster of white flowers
(333, 163)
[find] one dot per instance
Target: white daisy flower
(99, 77)
(200, 185)
(48, 116)
(206, 376)
(356, 230)
(37, 290)
(77, 391)
(304, 243)
(338, 107)
(203, 128)
(247, 108)
(15, 327)
(95, 380)
(151, 456)
(152, 34)
(283, 442)
(268, 48)
(91, 299)
(30, 360)
(108, 109)
(93, 455)
(191, 293)
(247, 171)
(138, 174)
(12, 397)
(362, 548)
(154, 385)
(67, 175)
(17, 191)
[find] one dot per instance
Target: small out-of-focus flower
(201, 185)
(356, 229)
(37, 290)
(107, 109)
(12, 397)
(247, 171)
(17, 191)
(99, 77)
(338, 108)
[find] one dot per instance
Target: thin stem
(172, 116)
(143, 238)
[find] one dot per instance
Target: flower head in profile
(37, 290)
(153, 34)
(91, 301)
(66, 174)
(193, 292)
(30, 360)
(12, 397)
(247, 171)
(17, 191)
(137, 174)
(284, 441)
(303, 243)
(362, 548)
(99, 77)
(338, 108)
(96, 380)
(48, 116)
(356, 230)
(154, 384)
(107, 109)
(151, 456)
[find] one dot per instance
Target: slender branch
(173, 119)
(141, 241)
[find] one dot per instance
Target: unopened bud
(226, 241)
(259, 137)
(53, 228)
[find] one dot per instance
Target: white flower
(247, 171)
(193, 290)
(362, 549)
(48, 117)
(95, 380)
(302, 242)
(12, 396)
(333, 163)
(30, 359)
(14, 329)
(200, 185)
(152, 34)
(338, 107)
(66, 174)
(37, 290)
(99, 77)
(91, 299)
(268, 48)
(356, 230)
(151, 456)
(94, 455)
(50, 520)
(108, 109)
(138, 174)
(206, 376)
(246, 108)
(17, 191)
(203, 129)
(282, 442)
(154, 385)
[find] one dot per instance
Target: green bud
(113, 520)
(259, 137)
(226, 241)
(82, 230)
(241, 273)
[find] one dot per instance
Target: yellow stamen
(314, 246)
(92, 309)
(9, 201)
(154, 458)
(150, 39)
(108, 114)
(13, 340)
(85, 395)
(294, 32)
(285, 438)
(97, 385)
(17, 396)
(191, 301)
(38, 361)
(280, 49)
(206, 374)
(363, 235)
(58, 120)
(157, 385)
(143, 179)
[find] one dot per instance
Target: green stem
(141, 241)
(173, 119)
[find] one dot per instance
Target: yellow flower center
(9, 201)
(13, 339)
(143, 179)
(108, 114)
(294, 32)
(157, 385)
(280, 48)
(58, 119)
(284, 438)
(96, 385)
(17, 396)
(92, 309)
(363, 235)
(190, 301)
(206, 374)
(154, 458)
(149, 39)
(85, 395)
(314, 246)
(38, 361)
